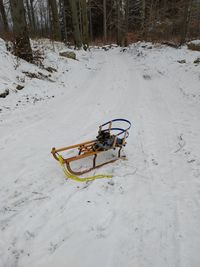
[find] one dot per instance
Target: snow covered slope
(149, 213)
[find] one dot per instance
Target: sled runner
(108, 138)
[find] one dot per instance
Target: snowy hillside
(148, 214)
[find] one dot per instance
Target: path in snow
(147, 216)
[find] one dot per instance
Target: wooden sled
(106, 140)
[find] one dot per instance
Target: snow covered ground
(149, 213)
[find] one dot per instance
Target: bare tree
(75, 23)
(85, 24)
(105, 20)
(33, 16)
(186, 19)
(63, 22)
(90, 19)
(143, 18)
(4, 18)
(29, 13)
(122, 13)
(56, 31)
(22, 47)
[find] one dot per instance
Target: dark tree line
(85, 21)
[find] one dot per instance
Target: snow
(195, 42)
(149, 213)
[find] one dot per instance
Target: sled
(108, 138)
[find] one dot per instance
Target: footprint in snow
(154, 162)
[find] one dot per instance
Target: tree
(75, 23)
(4, 18)
(22, 47)
(186, 19)
(104, 20)
(55, 20)
(63, 22)
(122, 13)
(143, 18)
(29, 14)
(90, 19)
(33, 16)
(85, 24)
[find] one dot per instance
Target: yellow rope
(78, 179)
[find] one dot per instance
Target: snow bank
(37, 83)
(195, 42)
(194, 45)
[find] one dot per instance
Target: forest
(85, 22)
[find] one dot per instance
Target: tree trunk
(29, 15)
(33, 16)
(41, 23)
(4, 18)
(118, 22)
(85, 24)
(104, 21)
(50, 19)
(126, 22)
(143, 18)
(80, 18)
(56, 32)
(62, 9)
(75, 22)
(186, 19)
(90, 20)
(199, 21)
(22, 47)
(122, 22)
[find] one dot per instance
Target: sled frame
(85, 150)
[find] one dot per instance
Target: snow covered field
(148, 215)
